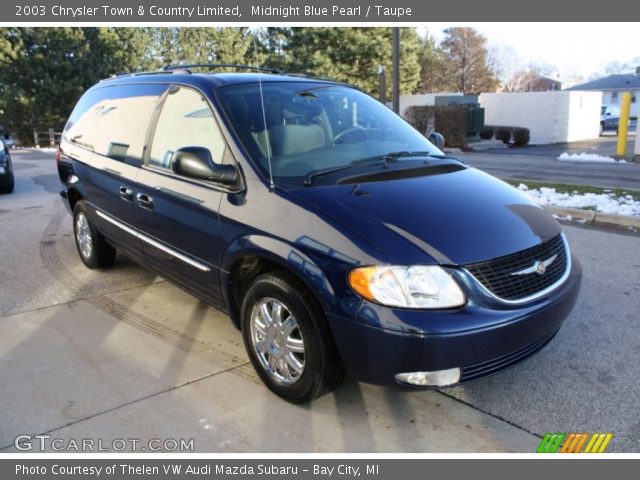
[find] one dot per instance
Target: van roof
(214, 79)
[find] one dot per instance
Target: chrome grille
(504, 277)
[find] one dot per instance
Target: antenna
(264, 114)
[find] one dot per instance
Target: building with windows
(612, 88)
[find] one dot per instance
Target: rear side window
(185, 120)
(113, 121)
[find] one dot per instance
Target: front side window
(309, 126)
(185, 121)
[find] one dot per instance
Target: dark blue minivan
(337, 237)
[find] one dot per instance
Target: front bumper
(481, 338)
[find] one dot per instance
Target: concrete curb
(592, 217)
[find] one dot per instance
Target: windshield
(313, 126)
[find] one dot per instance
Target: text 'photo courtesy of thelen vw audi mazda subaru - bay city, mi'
(336, 236)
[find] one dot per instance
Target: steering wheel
(347, 132)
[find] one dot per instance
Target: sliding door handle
(145, 201)
(126, 194)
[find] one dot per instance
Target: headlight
(3, 170)
(407, 287)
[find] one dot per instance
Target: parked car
(8, 141)
(609, 118)
(336, 237)
(7, 181)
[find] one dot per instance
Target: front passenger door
(178, 216)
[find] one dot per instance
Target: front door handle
(126, 194)
(145, 201)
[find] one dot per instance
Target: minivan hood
(459, 218)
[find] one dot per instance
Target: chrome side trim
(537, 295)
(115, 222)
(154, 243)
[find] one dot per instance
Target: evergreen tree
(351, 55)
(201, 45)
(44, 71)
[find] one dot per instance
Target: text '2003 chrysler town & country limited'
(337, 237)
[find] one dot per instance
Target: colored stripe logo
(574, 442)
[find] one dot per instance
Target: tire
(9, 187)
(93, 249)
(298, 359)
(601, 129)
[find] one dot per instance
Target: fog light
(3, 170)
(437, 378)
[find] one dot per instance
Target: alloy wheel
(83, 235)
(277, 341)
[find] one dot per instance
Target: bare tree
(466, 56)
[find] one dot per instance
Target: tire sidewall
(270, 286)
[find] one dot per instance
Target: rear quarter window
(113, 120)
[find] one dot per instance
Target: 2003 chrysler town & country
(336, 236)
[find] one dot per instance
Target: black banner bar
(311, 11)
(550, 466)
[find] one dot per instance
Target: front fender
(323, 275)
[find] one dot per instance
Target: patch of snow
(587, 157)
(601, 202)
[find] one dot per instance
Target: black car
(7, 180)
(336, 237)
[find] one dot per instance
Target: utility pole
(395, 34)
(382, 85)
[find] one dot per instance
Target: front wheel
(94, 250)
(288, 340)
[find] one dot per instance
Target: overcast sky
(573, 48)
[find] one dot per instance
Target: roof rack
(188, 67)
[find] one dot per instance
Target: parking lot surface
(122, 353)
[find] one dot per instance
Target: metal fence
(53, 138)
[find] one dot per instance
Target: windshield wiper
(308, 179)
(383, 159)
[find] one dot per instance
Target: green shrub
(450, 121)
(486, 133)
(520, 136)
(503, 134)
(453, 123)
(418, 117)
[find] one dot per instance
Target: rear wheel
(94, 250)
(288, 340)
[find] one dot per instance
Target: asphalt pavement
(540, 163)
(605, 145)
(121, 353)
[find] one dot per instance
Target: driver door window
(185, 121)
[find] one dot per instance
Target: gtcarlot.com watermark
(27, 443)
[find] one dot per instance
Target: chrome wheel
(277, 341)
(83, 235)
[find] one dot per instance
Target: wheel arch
(253, 255)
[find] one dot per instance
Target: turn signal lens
(407, 287)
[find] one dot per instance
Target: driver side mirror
(196, 162)
(437, 139)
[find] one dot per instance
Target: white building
(612, 88)
(551, 117)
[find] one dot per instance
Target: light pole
(395, 34)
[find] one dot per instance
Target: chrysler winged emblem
(539, 267)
